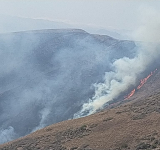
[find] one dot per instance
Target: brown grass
(134, 125)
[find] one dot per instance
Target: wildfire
(142, 82)
(130, 94)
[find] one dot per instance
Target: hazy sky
(119, 14)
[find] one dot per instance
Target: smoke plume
(125, 70)
(46, 76)
(53, 75)
(7, 134)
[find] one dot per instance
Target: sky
(116, 14)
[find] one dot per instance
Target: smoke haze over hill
(126, 70)
(48, 76)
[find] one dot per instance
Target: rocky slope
(133, 125)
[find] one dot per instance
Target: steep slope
(133, 125)
(46, 76)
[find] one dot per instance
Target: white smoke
(50, 78)
(44, 113)
(125, 70)
(7, 134)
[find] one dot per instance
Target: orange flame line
(142, 82)
(130, 94)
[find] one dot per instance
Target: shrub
(108, 119)
(83, 127)
(124, 145)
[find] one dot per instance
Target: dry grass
(134, 125)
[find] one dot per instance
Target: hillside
(133, 125)
(46, 76)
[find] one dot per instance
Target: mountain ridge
(40, 70)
